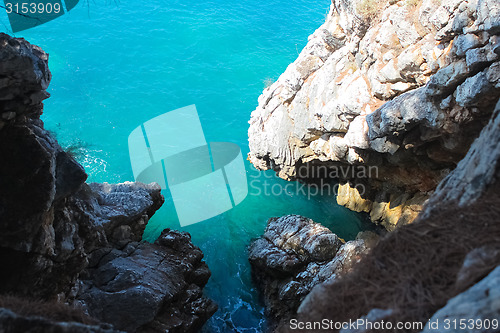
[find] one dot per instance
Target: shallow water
(116, 65)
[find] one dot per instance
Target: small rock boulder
(294, 255)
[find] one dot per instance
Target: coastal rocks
(36, 177)
(443, 265)
(25, 78)
(67, 241)
(294, 255)
(148, 287)
(472, 176)
(406, 94)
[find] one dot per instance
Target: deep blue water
(116, 65)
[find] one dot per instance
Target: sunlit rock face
(465, 200)
(294, 255)
(405, 87)
(79, 243)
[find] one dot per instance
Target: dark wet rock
(11, 322)
(62, 239)
(149, 287)
(295, 254)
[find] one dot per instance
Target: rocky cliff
(445, 265)
(398, 88)
(397, 102)
(62, 239)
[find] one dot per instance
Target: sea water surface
(117, 64)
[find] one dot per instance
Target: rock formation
(401, 86)
(294, 255)
(148, 287)
(408, 88)
(80, 243)
(444, 265)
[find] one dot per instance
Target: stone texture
(11, 322)
(294, 255)
(474, 173)
(25, 78)
(62, 239)
(473, 180)
(480, 302)
(406, 93)
(148, 287)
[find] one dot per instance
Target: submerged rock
(401, 87)
(295, 254)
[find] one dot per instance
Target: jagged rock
(480, 302)
(64, 239)
(406, 94)
(473, 174)
(25, 78)
(149, 287)
(11, 322)
(294, 255)
(51, 220)
(38, 177)
(466, 188)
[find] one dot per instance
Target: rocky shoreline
(412, 89)
(79, 244)
(405, 89)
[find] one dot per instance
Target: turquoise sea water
(116, 65)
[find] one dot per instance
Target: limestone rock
(473, 181)
(406, 93)
(474, 173)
